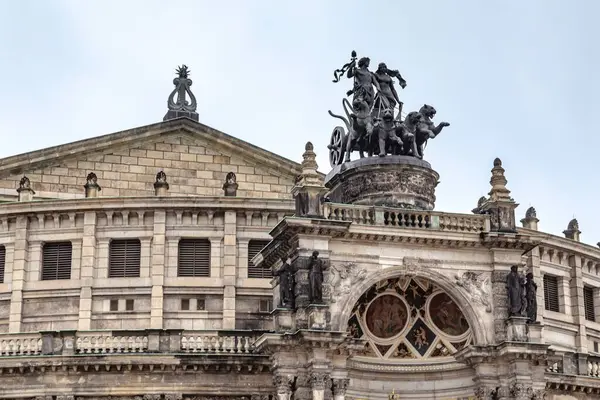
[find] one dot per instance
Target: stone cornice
(572, 383)
(146, 363)
(145, 203)
(557, 243)
(36, 159)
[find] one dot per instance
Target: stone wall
(193, 167)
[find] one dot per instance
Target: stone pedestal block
(516, 329)
(91, 190)
(318, 316)
(283, 320)
(534, 332)
(25, 194)
(391, 181)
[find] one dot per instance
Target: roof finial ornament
(572, 232)
(531, 220)
(182, 107)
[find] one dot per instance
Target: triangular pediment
(195, 158)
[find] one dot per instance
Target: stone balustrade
(201, 342)
(103, 343)
(393, 217)
(122, 342)
(554, 364)
(20, 344)
(593, 367)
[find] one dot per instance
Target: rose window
(409, 318)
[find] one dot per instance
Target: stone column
(340, 385)
(88, 261)
(158, 269)
(229, 269)
(283, 386)
(20, 258)
(318, 381)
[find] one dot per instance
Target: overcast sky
(516, 79)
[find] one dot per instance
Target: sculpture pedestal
(318, 316)
(283, 320)
(391, 181)
(516, 329)
(534, 331)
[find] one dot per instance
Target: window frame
(128, 271)
(194, 257)
(59, 274)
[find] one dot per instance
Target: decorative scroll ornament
(477, 285)
(341, 279)
(182, 86)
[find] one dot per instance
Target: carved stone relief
(478, 287)
(340, 280)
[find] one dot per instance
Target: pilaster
(229, 269)
(158, 269)
(20, 259)
(88, 260)
(578, 307)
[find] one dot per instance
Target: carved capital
(340, 385)
(520, 391)
(173, 396)
(151, 397)
(318, 380)
(539, 394)
(283, 383)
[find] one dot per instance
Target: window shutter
(254, 247)
(2, 262)
(551, 293)
(194, 257)
(588, 302)
(56, 261)
(124, 258)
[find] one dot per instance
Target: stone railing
(105, 343)
(203, 342)
(393, 217)
(123, 342)
(593, 367)
(554, 364)
(20, 344)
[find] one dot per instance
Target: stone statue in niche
(315, 279)
(531, 290)
(230, 186)
(517, 304)
(286, 284)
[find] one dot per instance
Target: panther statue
(386, 132)
(426, 129)
(359, 127)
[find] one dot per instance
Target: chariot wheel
(336, 146)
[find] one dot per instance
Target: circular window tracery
(409, 318)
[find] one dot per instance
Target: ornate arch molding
(456, 292)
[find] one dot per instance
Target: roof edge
(15, 164)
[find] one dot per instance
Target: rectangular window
(185, 304)
(56, 260)
(194, 257)
(129, 305)
(200, 304)
(551, 293)
(2, 262)
(124, 258)
(588, 303)
(114, 305)
(254, 247)
(265, 306)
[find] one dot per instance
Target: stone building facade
(139, 265)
